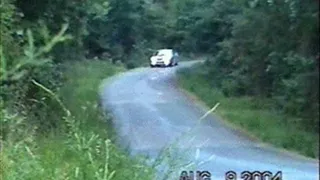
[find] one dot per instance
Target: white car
(164, 57)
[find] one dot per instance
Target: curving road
(150, 112)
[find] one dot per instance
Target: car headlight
(153, 60)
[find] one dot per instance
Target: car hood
(161, 56)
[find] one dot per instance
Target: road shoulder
(198, 101)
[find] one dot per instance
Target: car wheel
(151, 65)
(171, 63)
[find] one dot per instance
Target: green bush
(131, 65)
(85, 150)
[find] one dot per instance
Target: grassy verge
(253, 116)
(86, 151)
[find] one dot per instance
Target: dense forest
(261, 48)
(276, 57)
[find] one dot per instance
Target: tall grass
(255, 116)
(84, 145)
(85, 151)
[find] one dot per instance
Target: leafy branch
(33, 56)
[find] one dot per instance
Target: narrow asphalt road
(150, 113)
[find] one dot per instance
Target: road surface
(151, 113)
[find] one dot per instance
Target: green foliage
(9, 30)
(266, 50)
(272, 57)
(85, 151)
(33, 57)
(263, 49)
(33, 64)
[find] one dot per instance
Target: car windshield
(163, 52)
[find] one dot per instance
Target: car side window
(156, 53)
